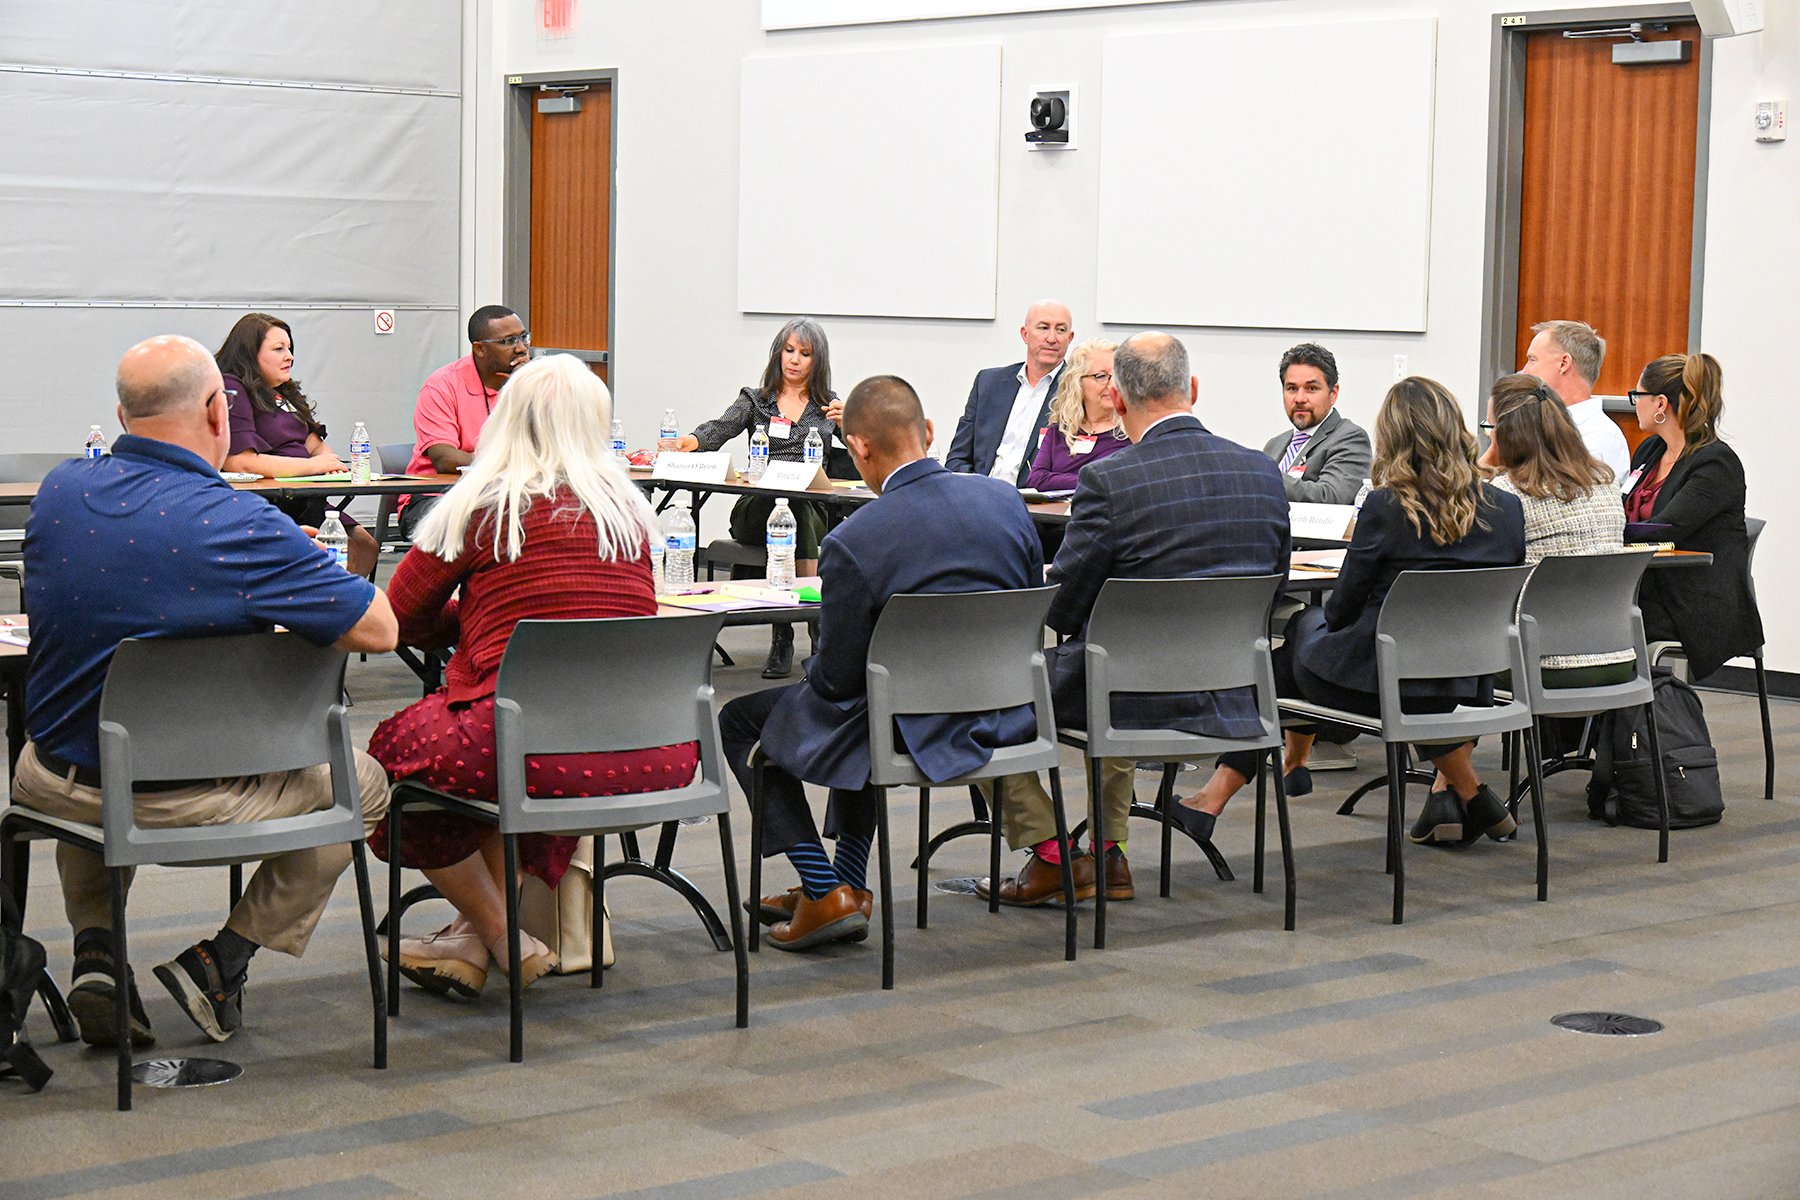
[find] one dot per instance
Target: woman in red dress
(543, 524)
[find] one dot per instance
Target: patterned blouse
(750, 410)
(1592, 524)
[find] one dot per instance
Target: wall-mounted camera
(1052, 120)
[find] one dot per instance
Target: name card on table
(1327, 521)
(793, 477)
(704, 466)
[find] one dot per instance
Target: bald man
(1009, 406)
(151, 542)
(818, 730)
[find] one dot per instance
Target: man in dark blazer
(1332, 457)
(1009, 406)
(1179, 503)
(928, 531)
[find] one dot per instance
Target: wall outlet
(1399, 367)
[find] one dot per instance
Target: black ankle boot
(781, 653)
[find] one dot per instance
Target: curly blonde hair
(1067, 412)
(1425, 456)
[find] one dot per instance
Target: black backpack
(21, 971)
(1623, 791)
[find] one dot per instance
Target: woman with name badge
(794, 400)
(1084, 428)
(274, 432)
(1686, 486)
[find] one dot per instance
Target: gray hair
(176, 383)
(1585, 348)
(1144, 375)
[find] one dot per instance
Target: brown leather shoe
(1041, 882)
(772, 910)
(835, 916)
(1118, 876)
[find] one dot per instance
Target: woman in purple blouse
(1083, 429)
(273, 430)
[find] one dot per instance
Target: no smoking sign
(384, 320)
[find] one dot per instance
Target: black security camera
(1048, 117)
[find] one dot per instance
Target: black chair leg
(993, 832)
(58, 1008)
(1068, 867)
(1397, 827)
(1511, 741)
(1286, 832)
(1262, 816)
(1097, 828)
(756, 855)
(235, 890)
(1662, 787)
(887, 891)
(597, 900)
(924, 840)
(395, 908)
(514, 986)
(1762, 701)
(740, 958)
(122, 987)
(1165, 802)
(365, 898)
(1534, 750)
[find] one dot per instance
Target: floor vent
(1611, 1023)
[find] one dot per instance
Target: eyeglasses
(1486, 427)
(1102, 376)
(517, 339)
(1634, 394)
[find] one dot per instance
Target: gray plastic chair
(590, 687)
(1658, 650)
(204, 708)
(1587, 604)
(393, 458)
(1443, 625)
(952, 652)
(1181, 635)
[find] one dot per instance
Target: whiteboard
(1276, 177)
(869, 183)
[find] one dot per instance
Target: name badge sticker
(1083, 445)
(1631, 481)
(780, 428)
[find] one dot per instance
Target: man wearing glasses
(455, 402)
(1324, 458)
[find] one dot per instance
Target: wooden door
(571, 218)
(1607, 205)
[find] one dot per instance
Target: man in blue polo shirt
(151, 542)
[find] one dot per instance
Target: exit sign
(556, 16)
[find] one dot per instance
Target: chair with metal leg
(1442, 625)
(954, 652)
(590, 687)
(205, 708)
(1180, 635)
(1587, 604)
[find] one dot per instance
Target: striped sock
(816, 876)
(852, 861)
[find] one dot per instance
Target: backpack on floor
(1623, 791)
(21, 970)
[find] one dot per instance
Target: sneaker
(1487, 814)
(211, 1001)
(451, 960)
(93, 991)
(1440, 822)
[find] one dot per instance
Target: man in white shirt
(1567, 356)
(1009, 406)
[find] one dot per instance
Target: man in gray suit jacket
(1324, 458)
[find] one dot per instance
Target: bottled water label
(681, 541)
(618, 448)
(781, 539)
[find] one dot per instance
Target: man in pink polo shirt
(455, 402)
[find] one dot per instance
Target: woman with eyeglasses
(794, 399)
(274, 431)
(1084, 427)
(1687, 487)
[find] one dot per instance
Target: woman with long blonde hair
(1430, 511)
(542, 525)
(1083, 426)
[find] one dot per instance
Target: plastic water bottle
(815, 447)
(658, 545)
(1362, 493)
(759, 453)
(668, 437)
(96, 443)
(361, 462)
(781, 546)
(678, 559)
(618, 442)
(335, 538)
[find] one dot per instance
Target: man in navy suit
(1178, 503)
(1009, 406)
(928, 531)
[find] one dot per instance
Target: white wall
(681, 340)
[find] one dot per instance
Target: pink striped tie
(1301, 437)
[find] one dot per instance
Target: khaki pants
(283, 900)
(1029, 818)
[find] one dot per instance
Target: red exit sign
(556, 16)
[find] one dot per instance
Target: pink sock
(1049, 851)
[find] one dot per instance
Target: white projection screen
(167, 167)
(899, 206)
(1275, 177)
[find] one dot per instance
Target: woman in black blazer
(1686, 480)
(1431, 512)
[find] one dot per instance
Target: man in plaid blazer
(1179, 503)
